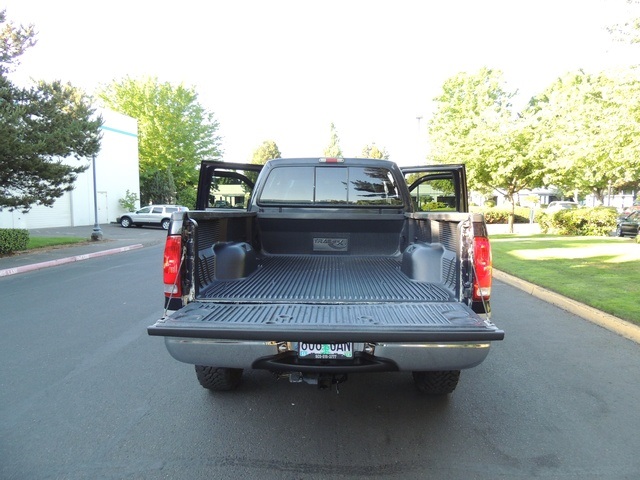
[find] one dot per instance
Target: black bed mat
(327, 279)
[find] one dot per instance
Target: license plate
(325, 351)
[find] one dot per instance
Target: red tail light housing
(483, 268)
(171, 266)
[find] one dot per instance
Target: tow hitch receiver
(324, 381)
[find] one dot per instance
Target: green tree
(267, 151)
(372, 151)
(42, 128)
(333, 150)
(161, 187)
(175, 132)
(264, 152)
(14, 41)
(586, 127)
(475, 124)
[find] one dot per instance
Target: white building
(116, 172)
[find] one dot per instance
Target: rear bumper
(388, 356)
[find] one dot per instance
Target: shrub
(597, 221)
(434, 206)
(129, 201)
(501, 215)
(13, 240)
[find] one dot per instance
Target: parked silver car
(557, 206)
(156, 215)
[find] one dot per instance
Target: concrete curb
(61, 261)
(614, 324)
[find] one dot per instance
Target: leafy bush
(597, 221)
(13, 240)
(129, 201)
(501, 215)
(434, 207)
(544, 220)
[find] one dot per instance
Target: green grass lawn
(601, 272)
(44, 242)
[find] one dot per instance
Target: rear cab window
(330, 186)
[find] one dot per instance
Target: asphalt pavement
(116, 239)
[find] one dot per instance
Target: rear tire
(218, 379)
(437, 383)
(165, 223)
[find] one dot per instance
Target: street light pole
(96, 235)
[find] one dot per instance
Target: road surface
(85, 393)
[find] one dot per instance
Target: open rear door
(225, 184)
(437, 188)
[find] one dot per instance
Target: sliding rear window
(330, 185)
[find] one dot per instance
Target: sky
(285, 70)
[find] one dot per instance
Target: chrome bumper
(406, 356)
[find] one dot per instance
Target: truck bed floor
(330, 279)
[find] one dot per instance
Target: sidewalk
(115, 239)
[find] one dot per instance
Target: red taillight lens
(482, 266)
(171, 266)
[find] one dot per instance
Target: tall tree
(42, 128)
(14, 41)
(587, 127)
(162, 188)
(475, 124)
(175, 132)
(266, 151)
(333, 150)
(372, 151)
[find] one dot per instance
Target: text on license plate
(327, 351)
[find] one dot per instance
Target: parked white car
(557, 206)
(155, 215)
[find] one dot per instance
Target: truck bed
(329, 299)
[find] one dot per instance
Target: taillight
(171, 266)
(482, 267)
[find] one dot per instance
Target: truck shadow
(365, 430)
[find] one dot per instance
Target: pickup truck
(323, 267)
